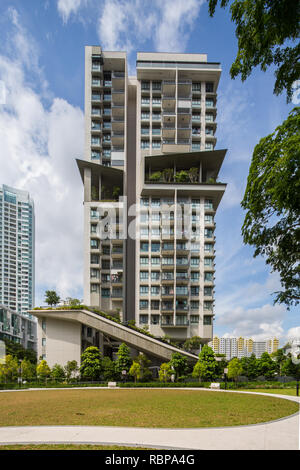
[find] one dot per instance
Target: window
(43, 341)
(155, 246)
(208, 204)
(155, 275)
(144, 201)
(207, 320)
(194, 304)
(144, 246)
(209, 146)
(154, 319)
(94, 243)
(144, 260)
(208, 277)
(156, 144)
(155, 260)
(194, 261)
(105, 292)
(194, 291)
(154, 304)
(194, 319)
(208, 247)
(155, 202)
(94, 259)
(143, 319)
(144, 290)
(95, 155)
(195, 276)
(207, 305)
(144, 275)
(208, 291)
(145, 144)
(154, 290)
(208, 262)
(144, 304)
(209, 87)
(209, 102)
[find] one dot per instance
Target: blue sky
(41, 132)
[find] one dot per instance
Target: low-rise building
(18, 328)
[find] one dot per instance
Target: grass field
(68, 447)
(141, 408)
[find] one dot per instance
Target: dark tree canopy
(272, 202)
(267, 32)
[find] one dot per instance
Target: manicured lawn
(280, 391)
(142, 408)
(68, 447)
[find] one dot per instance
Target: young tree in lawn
(135, 370)
(179, 364)
(9, 371)
(209, 368)
(124, 360)
(200, 370)
(43, 371)
(235, 369)
(109, 369)
(144, 362)
(165, 372)
(91, 363)
(51, 297)
(267, 367)
(57, 372)
(28, 370)
(70, 369)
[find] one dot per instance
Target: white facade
(17, 249)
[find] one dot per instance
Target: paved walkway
(282, 434)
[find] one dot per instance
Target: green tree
(266, 31)
(144, 362)
(290, 368)
(28, 370)
(73, 302)
(235, 368)
(192, 344)
(208, 370)
(17, 350)
(57, 372)
(51, 297)
(9, 371)
(70, 369)
(91, 363)
(165, 372)
(109, 368)
(135, 370)
(279, 358)
(200, 370)
(124, 360)
(43, 370)
(272, 202)
(266, 365)
(179, 364)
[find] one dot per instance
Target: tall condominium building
(150, 189)
(242, 347)
(16, 250)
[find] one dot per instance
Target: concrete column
(87, 184)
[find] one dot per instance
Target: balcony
(117, 294)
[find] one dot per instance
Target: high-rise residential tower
(150, 189)
(17, 249)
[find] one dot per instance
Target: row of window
(157, 85)
(180, 290)
(168, 320)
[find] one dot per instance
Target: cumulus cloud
(258, 323)
(68, 7)
(39, 144)
(167, 24)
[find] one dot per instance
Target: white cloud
(68, 7)
(293, 333)
(39, 145)
(167, 24)
(258, 323)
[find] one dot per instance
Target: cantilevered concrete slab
(58, 320)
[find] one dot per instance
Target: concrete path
(282, 434)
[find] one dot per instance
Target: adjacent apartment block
(151, 190)
(17, 256)
(18, 328)
(242, 347)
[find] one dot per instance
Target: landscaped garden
(142, 408)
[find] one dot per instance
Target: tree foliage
(179, 364)
(91, 363)
(70, 369)
(135, 370)
(207, 367)
(272, 202)
(165, 372)
(235, 368)
(17, 350)
(124, 360)
(43, 370)
(267, 32)
(51, 297)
